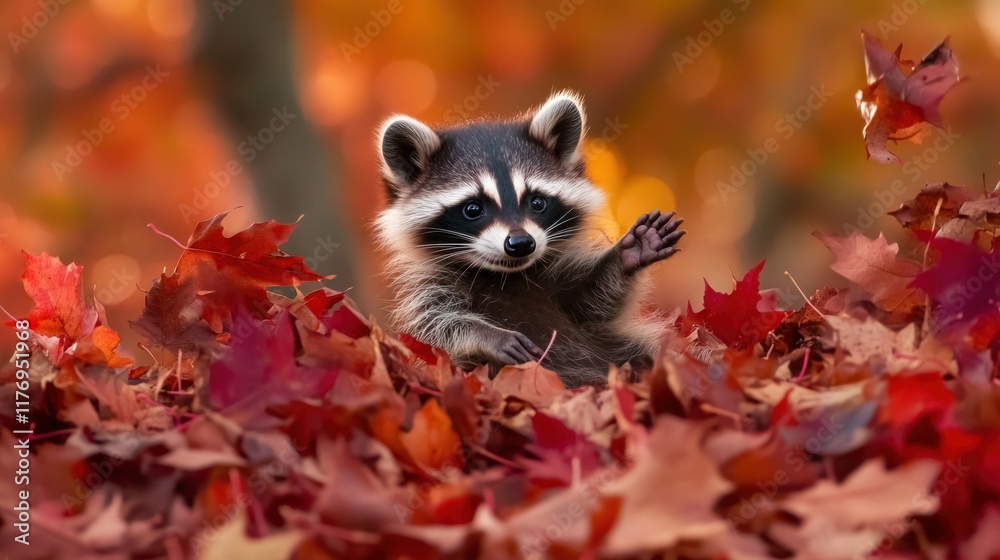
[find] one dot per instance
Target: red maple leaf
(57, 290)
(902, 100)
(217, 275)
(260, 371)
(171, 318)
(739, 319)
(558, 449)
(964, 283)
(234, 272)
(62, 312)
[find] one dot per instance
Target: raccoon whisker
(458, 234)
(557, 222)
(479, 268)
(434, 250)
(450, 250)
(563, 235)
(528, 281)
(443, 245)
(568, 232)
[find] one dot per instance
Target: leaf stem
(167, 235)
(926, 327)
(808, 302)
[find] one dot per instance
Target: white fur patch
(489, 248)
(490, 242)
(578, 193)
(399, 222)
(517, 179)
(489, 184)
(541, 241)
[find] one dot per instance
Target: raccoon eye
(537, 204)
(472, 210)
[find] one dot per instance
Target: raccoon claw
(515, 348)
(651, 239)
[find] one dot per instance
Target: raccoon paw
(514, 348)
(651, 239)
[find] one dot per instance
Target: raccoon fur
(491, 231)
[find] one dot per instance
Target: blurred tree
(245, 62)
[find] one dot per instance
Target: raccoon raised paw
(651, 239)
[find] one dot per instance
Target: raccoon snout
(519, 243)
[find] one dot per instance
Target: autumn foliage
(260, 425)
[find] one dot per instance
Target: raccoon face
(495, 196)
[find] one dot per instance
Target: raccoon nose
(519, 243)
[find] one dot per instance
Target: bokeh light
(406, 86)
(170, 18)
(674, 102)
(114, 278)
(640, 195)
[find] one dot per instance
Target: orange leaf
(57, 290)
(431, 441)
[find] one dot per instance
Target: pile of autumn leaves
(865, 423)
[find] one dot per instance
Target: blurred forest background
(119, 113)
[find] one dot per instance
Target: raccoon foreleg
(473, 341)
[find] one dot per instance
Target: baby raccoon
(490, 229)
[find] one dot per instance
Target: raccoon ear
(405, 147)
(559, 125)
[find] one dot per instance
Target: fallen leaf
(874, 265)
(431, 441)
(738, 319)
(231, 541)
(529, 382)
(918, 212)
(669, 494)
(849, 516)
(901, 102)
